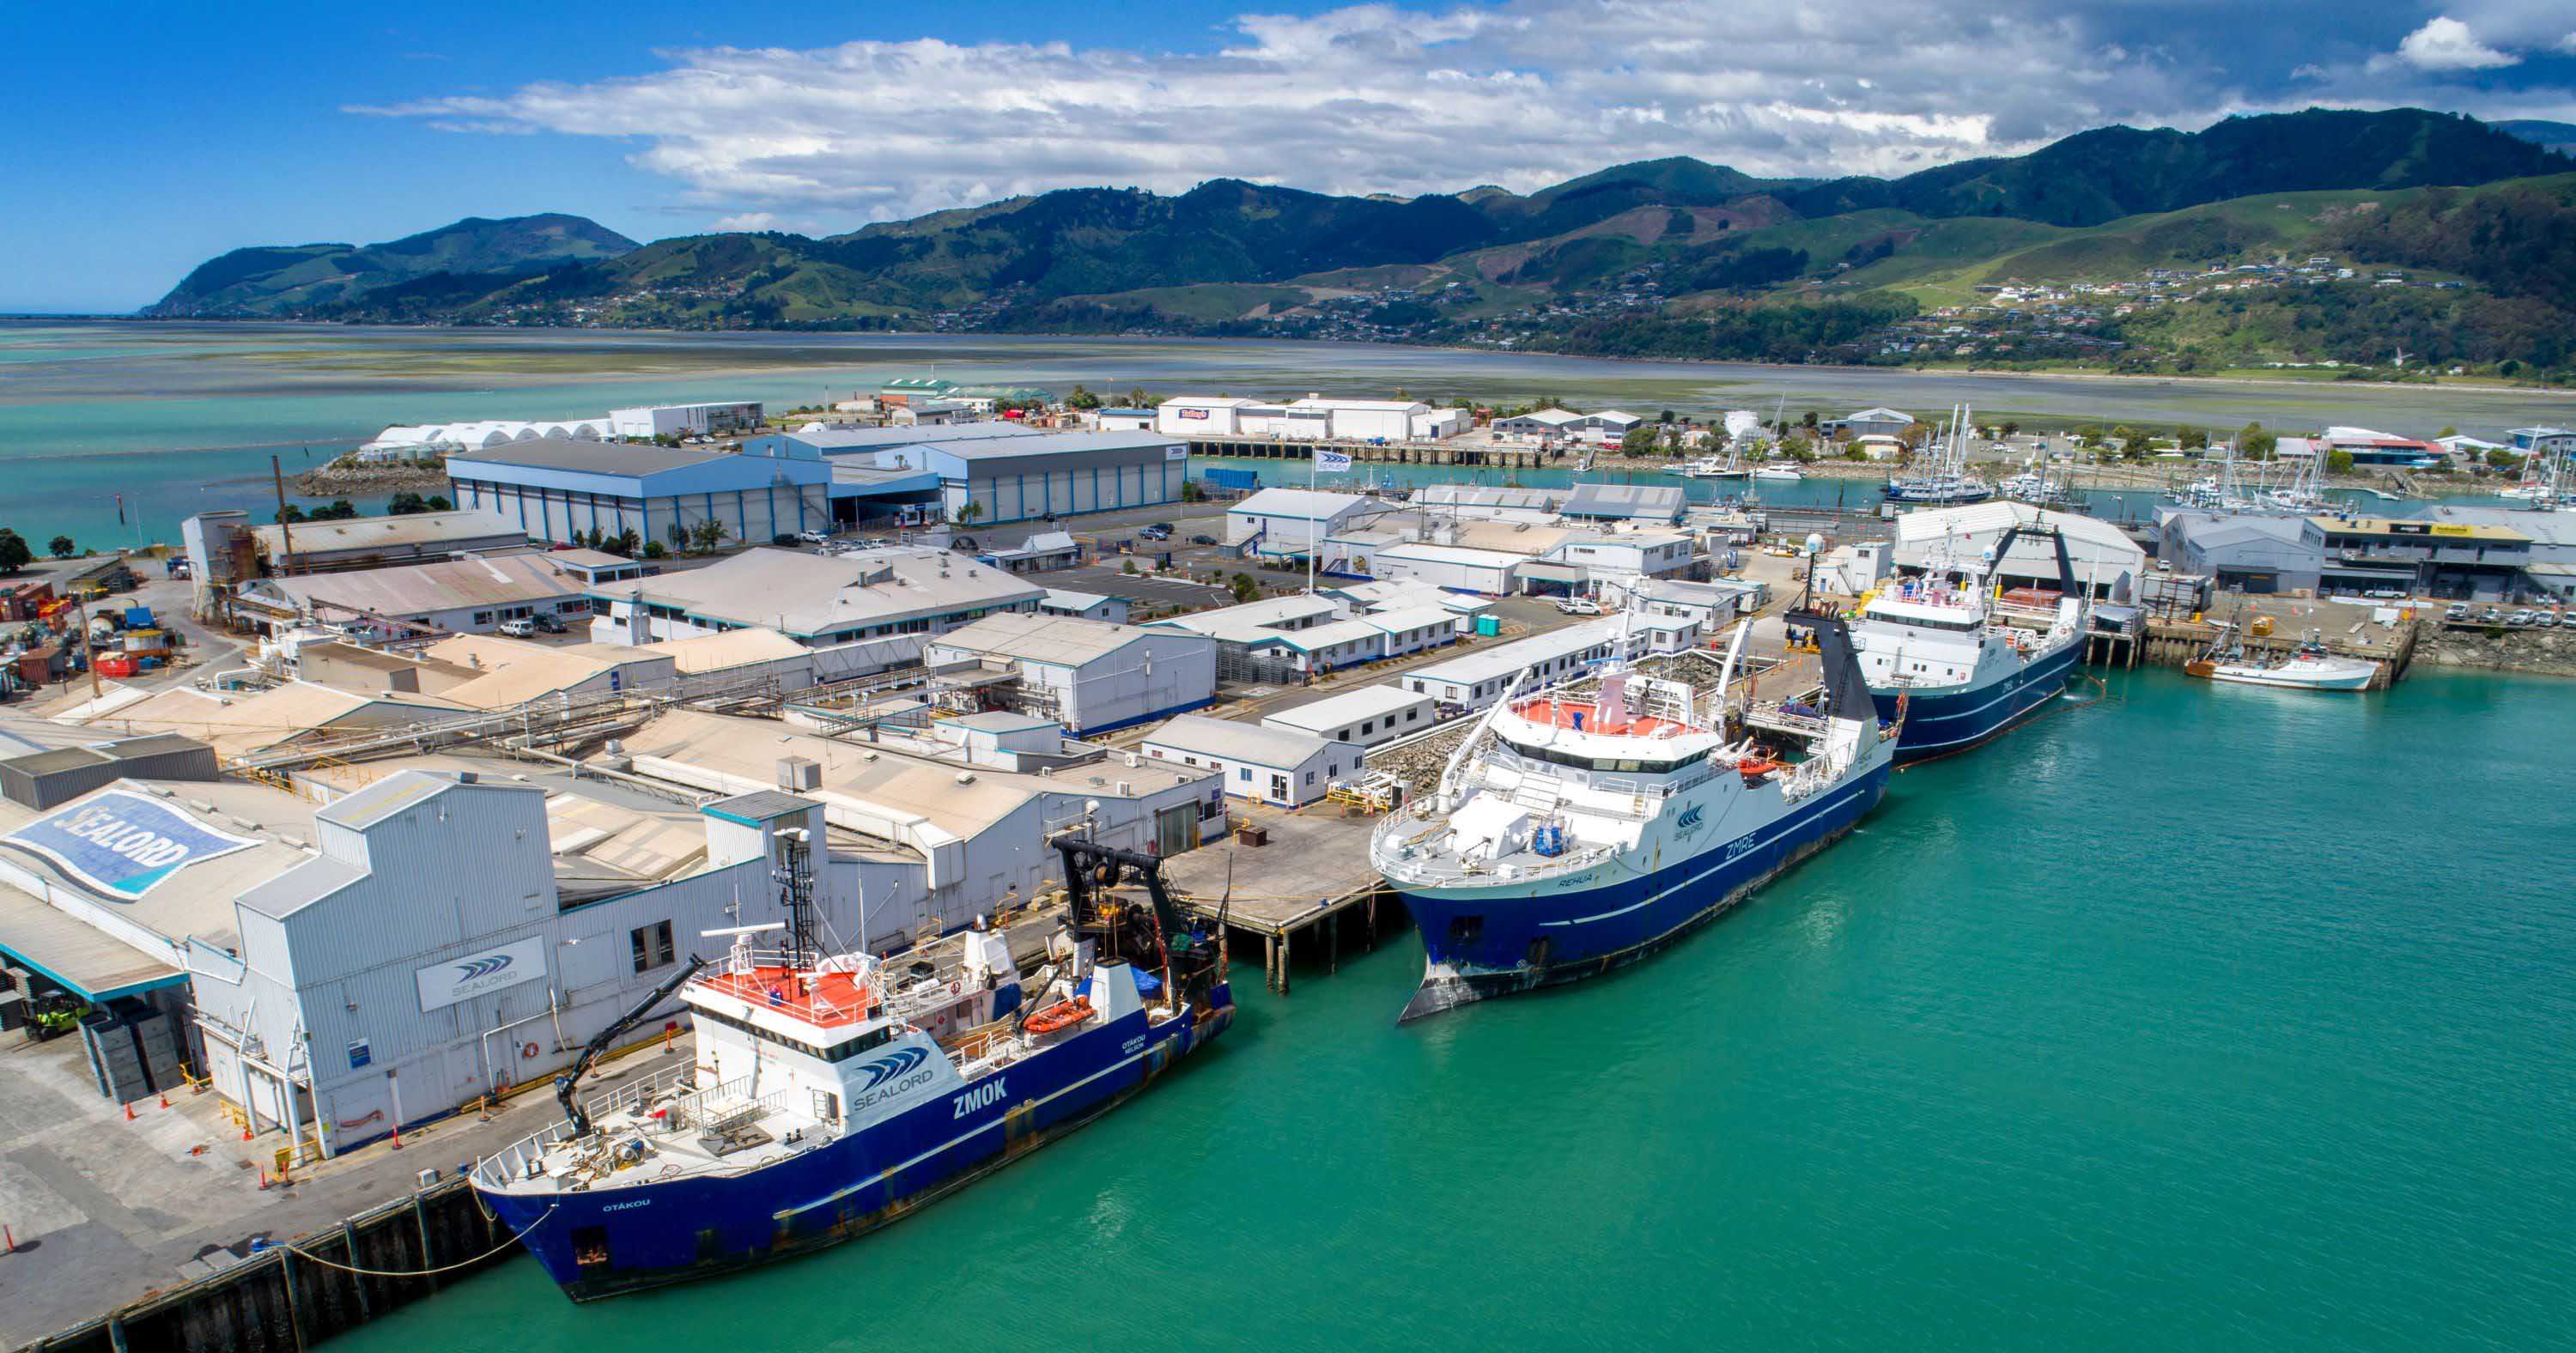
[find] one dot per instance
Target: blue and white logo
(1332, 462)
(1688, 821)
(124, 843)
(463, 978)
(888, 1067)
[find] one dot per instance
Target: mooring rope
(422, 1272)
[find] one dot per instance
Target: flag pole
(1314, 546)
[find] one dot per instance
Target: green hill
(273, 280)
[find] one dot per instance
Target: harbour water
(180, 418)
(2190, 1018)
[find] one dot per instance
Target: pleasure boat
(2308, 668)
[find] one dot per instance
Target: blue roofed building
(555, 489)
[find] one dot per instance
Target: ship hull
(1589, 924)
(1941, 723)
(610, 1240)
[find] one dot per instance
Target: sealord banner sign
(123, 843)
(467, 976)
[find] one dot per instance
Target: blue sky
(146, 138)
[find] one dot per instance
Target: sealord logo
(475, 970)
(887, 1068)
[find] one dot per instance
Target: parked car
(548, 623)
(2458, 610)
(1203, 540)
(815, 537)
(2385, 594)
(2518, 618)
(1153, 533)
(519, 629)
(2491, 616)
(1578, 606)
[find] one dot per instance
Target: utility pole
(286, 530)
(89, 652)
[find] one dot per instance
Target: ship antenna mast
(794, 874)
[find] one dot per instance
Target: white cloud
(1372, 98)
(2445, 43)
(748, 220)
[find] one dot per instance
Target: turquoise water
(2194, 1018)
(181, 418)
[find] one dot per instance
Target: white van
(519, 629)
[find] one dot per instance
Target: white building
(686, 420)
(1084, 605)
(1280, 523)
(1313, 634)
(1714, 605)
(1477, 679)
(1364, 717)
(1091, 677)
(813, 599)
(1458, 568)
(1271, 765)
(1609, 425)
(1626, 554)
(466, 596)
(1313, 418)
(2100, 552)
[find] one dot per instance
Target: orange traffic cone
(129, 1111)
(165, 1099)
(263, 1180)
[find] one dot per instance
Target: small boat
(1709, 467)
(1790, 473)
(2309, 668)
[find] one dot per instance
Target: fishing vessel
(2310, 667)
(1586, 825)
(1962, 661)
(832, 1094)
(1941, 479)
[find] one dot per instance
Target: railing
(510, 1163)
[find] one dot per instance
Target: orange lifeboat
(1754, 768)
(1060, 1016)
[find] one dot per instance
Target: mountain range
(1678, 235)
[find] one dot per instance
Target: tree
(706, 536)
(2253, 443)
(1808, 421)
(968, 511)
(2011, 429)
(1081, 398)
(1639, 440)
(627, 542)
(1193, 491)
(437, 502)
(405, 503)
(2339, 462)
(2447, 431)
(1665, 418)
(2192, 439)
(653, 550)
(61, 547)
(1243, 587)
(291, 513)
(14, 554)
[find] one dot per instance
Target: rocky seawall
(2550, 652)
(351, 479)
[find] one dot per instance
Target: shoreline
(2558, 392)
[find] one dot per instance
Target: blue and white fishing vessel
(1587, 825)
(1956, 661)
(831, 1095)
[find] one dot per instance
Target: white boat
(1709, 467)
(1780, 473)
(2310, 668)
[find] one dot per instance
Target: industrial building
(556, 489)
(1475, 680)
(1284, 638)
(428, 440)
(813, 599)
(686, 420)
(991, 480)
(2242, 552)
(1287, 523)
(464, 596)
(1960, 536)
(1364, 717)
(1313, 418)
(373, 542)
(1877, 422)
(1604, 427)
(1645, 503)
(1268, 765)
(1084, 605)
(1714, 605)
(1087, 676)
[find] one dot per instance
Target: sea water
(2190, 1018)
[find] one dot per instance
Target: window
(1310, 777)
(651, 945)
(1243, 773)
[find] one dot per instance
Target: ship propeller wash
(832, 1094)
(1587, 825)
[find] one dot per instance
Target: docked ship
(832, 1094)
(1962, 661)
(1941, 478)
(2310, 667)
(1589, 824)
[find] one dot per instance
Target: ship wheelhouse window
(1623, 765)
(838, 1052)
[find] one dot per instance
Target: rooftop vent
(965, 777)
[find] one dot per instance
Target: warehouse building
(377, 542)
(685, 420)
(1645, 503)
(2243, 552)
(1087, 676)
(1286, 523)
(1475, 680)
(1313, 418)
(2100, 552)
(555, 489)
(814, 599)
(1364, 717)
(464, 596)
(1268, 765)
(990, 480)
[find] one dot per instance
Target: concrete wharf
(1479, 454)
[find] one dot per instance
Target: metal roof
(1333, 711)
(567, 453)
(760, 805)
(1663, 502)
(1301, 504)
(808, 594)
(1276, 748)
(1502, 660)
(1061, 640)
(412, 530)
(419, 589)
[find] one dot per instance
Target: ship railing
(511, 1162)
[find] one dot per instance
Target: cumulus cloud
(2445, 43)
(1373, 98)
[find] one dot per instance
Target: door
(1279, 788)
(1176, 830)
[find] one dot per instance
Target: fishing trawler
(832, 1094)
(1963, 662)
(1589, 824)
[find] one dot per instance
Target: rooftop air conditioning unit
(1126, 790)
(799, 774)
